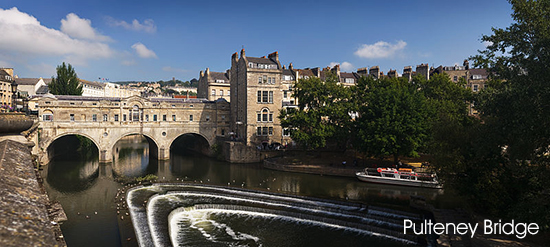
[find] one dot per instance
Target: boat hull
(393, 181)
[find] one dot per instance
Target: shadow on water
(73, 168)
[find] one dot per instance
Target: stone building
(6, 80)
(29, 87)
(214, 85)
(256, 98)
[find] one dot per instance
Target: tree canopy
(66, 82)
(322, 114)
(501, 162)
(393, 117)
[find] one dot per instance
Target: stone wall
(23, 214)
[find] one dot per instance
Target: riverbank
(24, 216)
(343, 164)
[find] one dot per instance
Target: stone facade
(214, 85)
(256, 98)
(6, 79)
(106, 120)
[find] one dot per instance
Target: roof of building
(27, 81)
(219, 76)
(287, 72)
(42, 89)
(482, 72)
(305, 72)
(260, 60)
(92, 83)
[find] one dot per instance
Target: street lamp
(14, 91)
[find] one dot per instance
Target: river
(86, 189)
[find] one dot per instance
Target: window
(94, 117)
(223, 132)
(154, 118)
(116, 117)
(455, 78)
(223, 117)
(228, 93)
(174, 118)
(164, 118)
(47, 117)
(124, 117)
(270, 131)
(259, 118)
(270, 96)
(146, 118)
(285, 94)
(71, 117)
(475, 87)
(259, 131)
(213, 92)
(221, 92)
(265, 96)
(265, 112)
(207, 118)
(287, 78)
(135, 113)
(264, 131)
(350, 80)
(190, 118)
(259, 96)
(260, 79)
(105, 117)
(264, 78)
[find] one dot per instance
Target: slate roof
(27, 81)
(42, 89)
(219, 76)
(260, 60)
(482, 72)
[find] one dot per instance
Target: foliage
(393, 117)
(66, 83)
(323, 112)
(147, 177)
(509, 166)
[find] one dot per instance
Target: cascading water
(184, 214)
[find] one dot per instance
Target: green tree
(323, 112)
(393, 117)
(66, 82)
(514, 111)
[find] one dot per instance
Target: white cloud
(147, 26)
(380, 49)
(80, 28)
(143, 52)
(23, 34)
(344, 66)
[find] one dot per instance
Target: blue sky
(158, 40)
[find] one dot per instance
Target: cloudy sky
(158, 40)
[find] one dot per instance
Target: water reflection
(84, 187)
(131, 157)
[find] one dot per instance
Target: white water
(152, 230)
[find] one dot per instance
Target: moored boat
(403, 176)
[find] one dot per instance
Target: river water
(87, 189)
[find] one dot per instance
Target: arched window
(135, 113)
(265, 115)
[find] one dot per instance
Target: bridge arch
(47, 146)
(154, 145)
(192, 141)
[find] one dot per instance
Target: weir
(192, 213)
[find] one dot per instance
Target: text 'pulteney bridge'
(106, 120)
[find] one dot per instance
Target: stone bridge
(106, 120)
